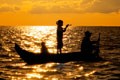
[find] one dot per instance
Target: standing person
(60, 31)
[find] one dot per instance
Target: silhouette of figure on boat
(88, 47)
(60, 31)
(44, 49)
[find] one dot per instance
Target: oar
(98, 46)
(99, 41)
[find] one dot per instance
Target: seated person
(88, 47)
(44, 49)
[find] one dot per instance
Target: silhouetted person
(44, 49)
(60, 31)
(88, 47)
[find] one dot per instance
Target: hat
(88, 33)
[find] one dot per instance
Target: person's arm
(66, 27)
(96, 42)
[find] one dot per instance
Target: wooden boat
(31, 58)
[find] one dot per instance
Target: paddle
(98, 46)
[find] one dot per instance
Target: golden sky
(47, 12)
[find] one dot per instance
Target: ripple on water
(30, 37)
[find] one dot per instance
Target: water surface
(12, 67)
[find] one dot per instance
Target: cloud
(16, 8)
(77, 6)
(104, 6)
(55, 6)
(8, 9)
(10, 5)
(61, 6)
(11, 2)
(52, 9)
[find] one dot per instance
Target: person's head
(59, 23)
(43, 44)
(88, 34)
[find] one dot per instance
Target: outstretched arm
(66, 27)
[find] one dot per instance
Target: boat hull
(31, 58)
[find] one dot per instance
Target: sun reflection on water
(38, 71)
(32, 38)
(46, 68)
(31, 41)
(34, 75)
(80, 68)
(53, 71)
(50, 65)
(54, 79)
(90, 73)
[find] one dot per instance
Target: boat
(32, 58)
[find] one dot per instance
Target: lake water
(12, 67)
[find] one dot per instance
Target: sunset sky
(47, 12)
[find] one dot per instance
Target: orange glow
(75, 12)
(89, 19)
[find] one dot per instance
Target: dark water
(30, 37)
